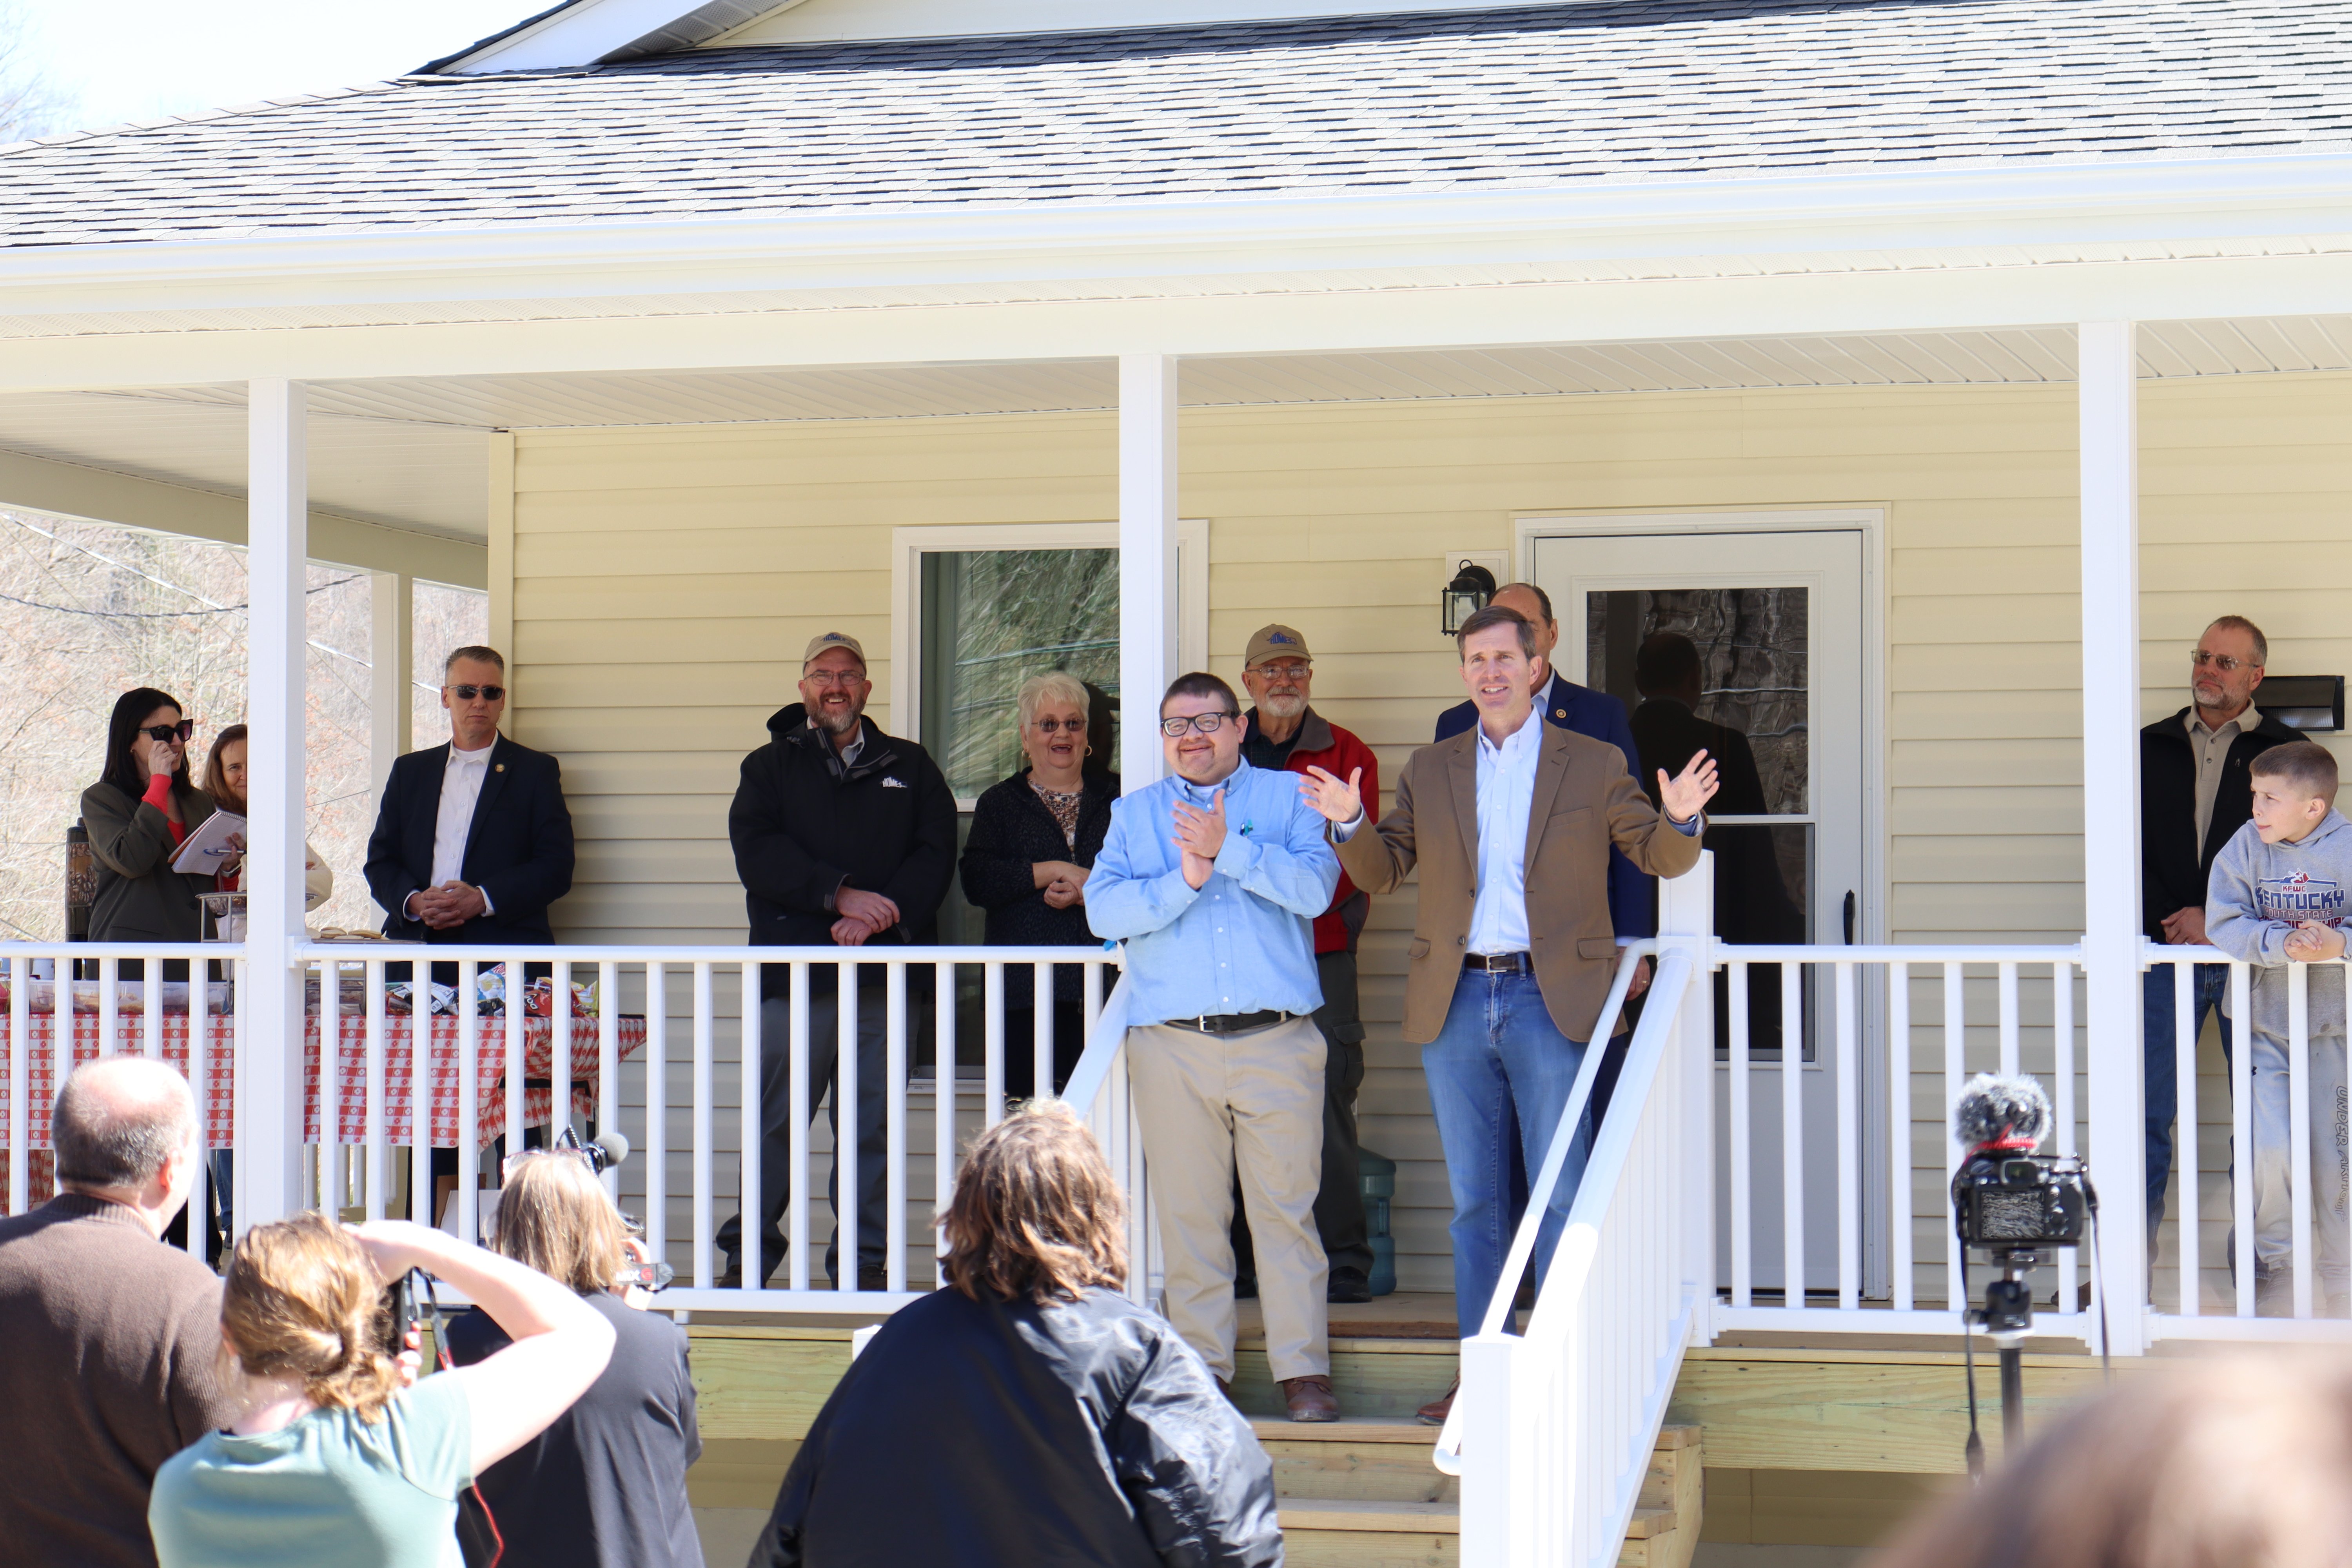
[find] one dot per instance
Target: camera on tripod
(2014, 1206)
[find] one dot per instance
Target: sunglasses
(466, 693)
(1050, 725)
(179, 732)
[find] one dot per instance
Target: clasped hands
(2313, 941)
(1064, 883)
(448, 906)
(1199, 835)
(863, 915)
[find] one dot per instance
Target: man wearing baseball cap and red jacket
(1283, 732)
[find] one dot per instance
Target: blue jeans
(1500, 1072)
(2159, 1079)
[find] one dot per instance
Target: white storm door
(1754, 639)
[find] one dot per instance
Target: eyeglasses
(1050, 725)
(834, 677)
(466, 693)
(179, 732)
(2220, 662)
(1284, 671)
(1200, 723)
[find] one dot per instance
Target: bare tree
(32, 103)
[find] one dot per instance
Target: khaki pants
(1210, 1107)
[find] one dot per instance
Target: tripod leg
(2012, 1403)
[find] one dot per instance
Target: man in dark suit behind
(473, 841)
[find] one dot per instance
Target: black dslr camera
(2005, 1199)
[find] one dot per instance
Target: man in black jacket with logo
(2194, 794)
(846, 836)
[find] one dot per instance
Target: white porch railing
(2225, 1306)
(672, 1046)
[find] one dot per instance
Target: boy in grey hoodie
(2282, 895)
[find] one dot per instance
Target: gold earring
(1089, 751)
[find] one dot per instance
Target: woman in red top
(137, 815)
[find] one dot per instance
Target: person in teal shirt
(335, 1461)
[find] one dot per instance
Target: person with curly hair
(334, 1461)
(1028, 1412)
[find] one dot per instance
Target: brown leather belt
(1499, 962)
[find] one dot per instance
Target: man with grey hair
(109, 1336)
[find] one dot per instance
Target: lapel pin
(497, 767)
(1559, 713)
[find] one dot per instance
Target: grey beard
(838, 726)
(1289, 707)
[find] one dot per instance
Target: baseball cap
(818, 644)
(1276, 642)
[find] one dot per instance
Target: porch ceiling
(410, 453)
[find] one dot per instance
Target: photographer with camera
(605, 1486)
(332, 1462)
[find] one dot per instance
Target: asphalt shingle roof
(1530, 99)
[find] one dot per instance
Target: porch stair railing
(1552, 1431)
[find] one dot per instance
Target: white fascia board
(576, 35)
(1366, 319)
(1866, 216)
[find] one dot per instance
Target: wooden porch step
(1371, 1526)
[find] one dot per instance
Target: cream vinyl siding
(665, 579)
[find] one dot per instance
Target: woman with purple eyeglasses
(141, 810)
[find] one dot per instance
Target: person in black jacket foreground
(2195, 792)
(844, 835)
(1033, 840)
(604, 1486)
(1029, 1414)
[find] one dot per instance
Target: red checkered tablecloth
(442, 1064)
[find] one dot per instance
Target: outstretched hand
(1339, 803)
(1686, 793)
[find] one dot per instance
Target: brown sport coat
(1584, 801)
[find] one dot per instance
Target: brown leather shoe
(1434, 1412)
(1310, 1399)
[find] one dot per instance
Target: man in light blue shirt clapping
(1212, 879)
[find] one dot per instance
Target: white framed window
(978, 609)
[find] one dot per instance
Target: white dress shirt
(1507, 790)
(461, 787)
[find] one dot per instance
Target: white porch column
(392, 657)
(1147, 557)
(2108, 389)
(270, 1118)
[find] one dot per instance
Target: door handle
(1849, 917)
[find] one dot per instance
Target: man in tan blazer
(1512, 949)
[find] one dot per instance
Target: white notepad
(208, 849)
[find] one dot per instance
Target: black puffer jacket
(1011, 832)
(982, 1435)
(2172, 877)
(802, 825)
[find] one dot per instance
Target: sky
(141, 59)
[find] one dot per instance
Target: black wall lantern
(2311, 703)
(1472, 588)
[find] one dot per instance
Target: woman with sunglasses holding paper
(140, 812)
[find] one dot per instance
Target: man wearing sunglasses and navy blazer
(474, 841)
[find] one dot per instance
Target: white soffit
(430, 478)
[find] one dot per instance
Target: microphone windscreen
(615, 1147)
(1994, 1107)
